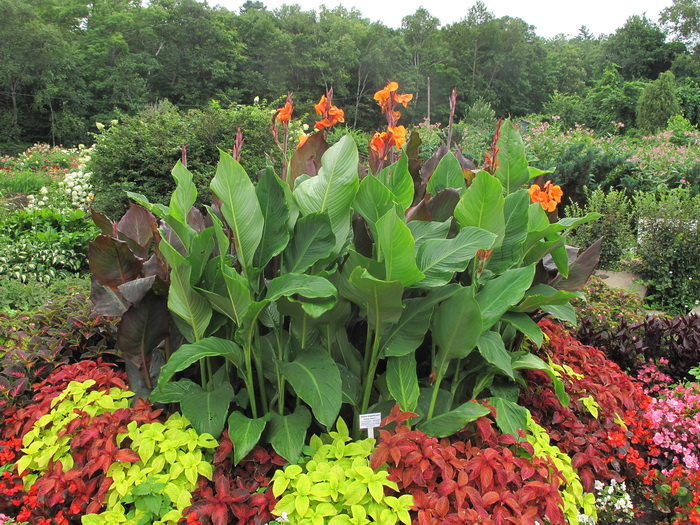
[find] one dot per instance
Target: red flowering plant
(395, 136)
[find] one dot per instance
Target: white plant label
(370, 422)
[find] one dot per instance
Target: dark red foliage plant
(478, 476)
(58, 496)
(238, 493)
(597, 428)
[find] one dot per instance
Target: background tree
(657, 104)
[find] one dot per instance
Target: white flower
(283, 518)
(43, 190)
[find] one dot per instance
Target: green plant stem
(203, 372)
(436, 390)
(259, 370)
(249, 376)
(372, 368)
(280, 377)
(455, 379)
(303, 332)
(328, 339)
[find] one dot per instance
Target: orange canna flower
(321, 106)
(378, 142)
(302, 140)
(285, 114)
(398, 136)
(383, 95)
(331, 114)
(548, 197)
(403, 99)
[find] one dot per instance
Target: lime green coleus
(333, 484)
(159, 487)
(576, 502)
(44, 444)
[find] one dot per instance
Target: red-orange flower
(302, 140)
(331, 114)
(388, 97)
(285, 114)
(548, 197)
(398, 136)
(395, 136)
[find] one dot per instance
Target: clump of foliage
(669, 248)
(306, 297)
(578, 506)
(138, 152)
(478, 476)
(236, 493)
(657, 104)
(615, 224)
(601, 396)
(333, 483)
(25, 298)
(632, 344)
(63, 331)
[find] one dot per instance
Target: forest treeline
(67, 64)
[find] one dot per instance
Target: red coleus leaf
(127, 455)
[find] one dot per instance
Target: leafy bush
(237, 493)
(479, 476)
(137, 153)
(334, 483)
(18, 297)
(603, 398)
(317, 310)
(615, 225)
(669, 248)
(633, 344)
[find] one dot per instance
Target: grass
(25, 182)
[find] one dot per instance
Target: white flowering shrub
(613, 502)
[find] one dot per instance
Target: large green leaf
(398, 179)
(275, 211)
(447, 174)
(451, 422)
(526, 325)
(245, 434)
(207, 410)
(407, 335)
(457, 326)
(502, 292)
(201, 248)
(439, 259)
(240, 207)
(397, 250)
(320, 290)
(173, 392)
(493, 350)
(563, 312)
(532, 362)
(510, 417)
(333, 189)
(426, 230)
(184, 195)
(313, 241)
(402, 381)
(512, 168)
(380, 300)
(287, 433)
(482, 205)
(373, 201)
(187, 354)
(192, 311)
(315, 378)
(542, 294)
(515, 211)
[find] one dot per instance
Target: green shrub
(360, 137)
(335, 484)
(615, 225)
(669, 248)
(657, 104)
(16, 296)
(138, 153)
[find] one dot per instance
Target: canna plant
(325, 293)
